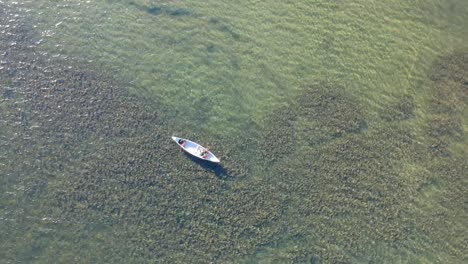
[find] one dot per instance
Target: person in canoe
(204, 153)
(181, 142)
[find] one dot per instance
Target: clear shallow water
(346, 88)
(225, 58)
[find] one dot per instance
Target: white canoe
(195, 149)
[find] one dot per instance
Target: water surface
(341, 127)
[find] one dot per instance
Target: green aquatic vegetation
(442, 195)
(441, 126)
(358, 185)
(402, 109)
(90, 169)
(158, 10)
(329, 113)
(321, 114)
(278, 139)
(447, 105)
(449, 75)
(351, 190)
(111, 174)
(442, 204)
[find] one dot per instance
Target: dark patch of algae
(365, 195)
(91, 175)
(348, 192)
(446, 224)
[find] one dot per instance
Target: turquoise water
(341, 127)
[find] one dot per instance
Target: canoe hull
(196, 149)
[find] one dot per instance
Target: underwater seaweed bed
(347, 189)
(96, 168)
(89, 174)
(369, 194)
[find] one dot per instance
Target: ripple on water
(89, 164)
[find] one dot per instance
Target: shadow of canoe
(213, 167)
